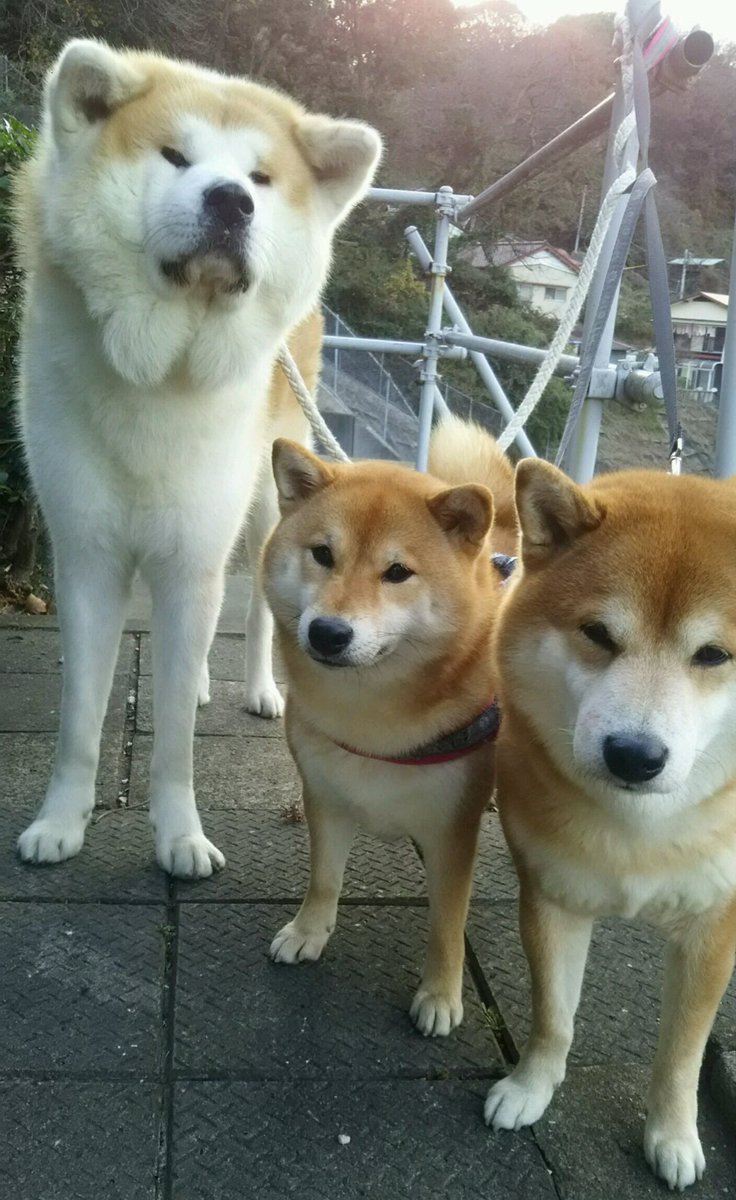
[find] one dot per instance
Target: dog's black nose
(229, 203)
(329, 636)
(634, 759)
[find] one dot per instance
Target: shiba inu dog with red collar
(385, 600)
(617, 765)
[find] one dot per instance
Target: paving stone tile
(31, 703)
(232, 615)
(618, 1018)
(267, 856)
(81, 987)
(225, 714)
(67, 1140)
(26, 762)
(344, 1016)
(230, 773)
(115, 863)
(723, 1082)
(409, 1140)
(226, 658)
(591, 1137)
(34, 651)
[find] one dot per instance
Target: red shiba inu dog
(385, 599)
(617, 765)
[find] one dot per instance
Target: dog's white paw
(264, 701)
(434, 1014)
(51, 840)
(512, 1104)
(190, 856)
(674, 1156)
(293, 944)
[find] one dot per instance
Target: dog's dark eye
(260, 177)
(175, 157)
(323, 556)
(397, 573)
(710, 656)
(596, 632)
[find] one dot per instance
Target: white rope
(574, 306)
(309, 406)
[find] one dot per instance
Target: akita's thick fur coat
(385, 599)
(617, 765)
(176, 227)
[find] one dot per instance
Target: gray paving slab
(230, 772)
(345, 1016)
(226, 658)
(35, 651)
(722, 1080)
(224, 715)
(591, 1138)
(116, 862)
(409, 1140)
(267, 856)
(26, 762)
(232, 614)
(31, 703)
(618, 1018)
(65, 1140)
(81, 988)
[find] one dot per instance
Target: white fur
(143, 409)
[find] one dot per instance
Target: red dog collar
(481, 729)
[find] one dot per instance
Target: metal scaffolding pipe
(682, 59)
(429, 374)
(402, 196)
(480, 362)
(530, 355)
(726, 434)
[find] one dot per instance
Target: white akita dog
(176, 226)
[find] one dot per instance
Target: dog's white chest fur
(386, 799)
(657, 896)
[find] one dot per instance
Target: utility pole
(683, 273)
(580, 220)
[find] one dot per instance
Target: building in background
(699, 327)
(544, 275)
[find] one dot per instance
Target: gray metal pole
(584, 446)
(481, 363)
(434, 327)
(726, 434)
(530, 355)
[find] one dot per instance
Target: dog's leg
(91, 596)
(556, 945)
(331, 833)
(698, 965)
(185, 611)
(262, 697)
(449, 857)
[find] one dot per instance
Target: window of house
(525, 291)
(555, 293)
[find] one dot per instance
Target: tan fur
(658, 550)
(373, 514)
(465, 454)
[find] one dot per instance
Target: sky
(718, 17)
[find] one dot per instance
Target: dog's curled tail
(462, 452)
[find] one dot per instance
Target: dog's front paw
(50, 840)
(203, 687)
(434, 1013)
(674, 1156)
(512, 1103)
(190, 856)
(265, 701)
(294, 944)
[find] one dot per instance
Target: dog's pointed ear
(464, 513)
(87, 84)
(553, 511)
(299, 474)
(343, 156)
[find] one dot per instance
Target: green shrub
(18, 524)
